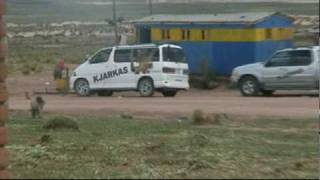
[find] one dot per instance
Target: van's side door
(96, 67)
(124, 76)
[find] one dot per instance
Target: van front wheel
(146, 87)
(82, 87)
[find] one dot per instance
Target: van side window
(122, 55)
(101, 56)
(155, 55)
(146, 55)
(173, 55)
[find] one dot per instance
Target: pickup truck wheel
(171, 93)
(267, 92)
(82, 87)
(105, 93)
(249, 86)
(146, 87)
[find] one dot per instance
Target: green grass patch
(128, 148)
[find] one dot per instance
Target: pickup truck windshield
(171, 54)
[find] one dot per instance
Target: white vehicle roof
(300, 48)
(144, 46)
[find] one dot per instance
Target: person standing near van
(60, 66)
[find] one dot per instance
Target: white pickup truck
(288, 69)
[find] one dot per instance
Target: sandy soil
(282, 104)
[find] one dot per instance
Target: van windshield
(171, 54)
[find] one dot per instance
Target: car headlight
(234, 73)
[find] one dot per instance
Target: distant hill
(238, 1)
(47, 11)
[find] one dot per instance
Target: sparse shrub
(25, 71)
(126, 116)
(198, 117)
(61, 122)
(199, 140)
(39, 68)
(33, 68)
(199, 164)
(298, 165)
(45, 139)
(214, 119)
(28, 68)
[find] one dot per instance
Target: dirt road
(184, 104)
(283, 104)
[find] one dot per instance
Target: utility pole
(150, 7)
(115, 21)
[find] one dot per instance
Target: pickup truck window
(290, 58)
(279, 59)
(300, 58)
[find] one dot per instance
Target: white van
(144, 68)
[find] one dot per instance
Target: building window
(268, 33)
(166, 34)
(163, 34)
(282, 33)
(203, 34)
(185, 34)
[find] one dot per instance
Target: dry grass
(61, 122)
(127, 148)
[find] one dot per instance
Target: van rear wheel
(170, 93)
(146, 87)
(82, 87)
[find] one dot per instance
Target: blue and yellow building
(225, 41)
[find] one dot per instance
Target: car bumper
(173, 82)
(72, 81)
(234, 79)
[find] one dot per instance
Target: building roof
(250, 17)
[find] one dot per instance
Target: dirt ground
(222, 100)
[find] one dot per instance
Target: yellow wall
(176, 34)
(223, 35)
(156, 34)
